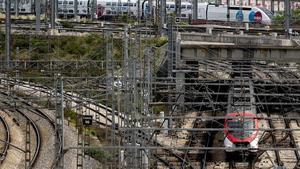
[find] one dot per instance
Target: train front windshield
(267, 12)
(241, 127)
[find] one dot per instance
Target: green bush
(99, 155)
(69, 113)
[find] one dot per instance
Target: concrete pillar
(165, 122)
(101, 24)
(178, 8)
(161, 116)
(209, 30)
(163, 14)
(37, 15)
(75, 9)
(287, 16)
(180, 76)
(53, 13)
(272, 6)
(274, 35)
(247, 26)
(195, 10)
(16, 6)
(7, 32)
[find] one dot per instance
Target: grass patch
(100, 155)
(71, 114)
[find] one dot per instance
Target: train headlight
(254, 145)
(228, 144)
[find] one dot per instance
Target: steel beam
(287, 17)
(7, 32)
(37, 15)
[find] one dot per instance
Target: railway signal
(87, 120)
(177, 20)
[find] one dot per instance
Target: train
(111, 8)
(247, 134)
(241, 122)
(24, 6)
(220, 12)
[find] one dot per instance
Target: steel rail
(6, 141)
(36, 131)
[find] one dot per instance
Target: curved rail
(37, 139)
(44, 116)
(7, 141)
(35, 129)
(75, 98)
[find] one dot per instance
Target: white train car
(186, 8)
(215, 12)
(24, 6)
(116, 7)
(67, 7)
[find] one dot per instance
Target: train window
(108, 3)
(125, 4)
(65, 10)
(71, 11)
(59, 10)
(189, 7)
(23, 10)
(59, 2)
(134, 4)
(240, 8)
(183, 15)
(108, 12)
(65, 2)
(84, 11)
(183, 6)
(71, 2)
(119, 4)
(247, 124)
(172, 6)
(130, 4)
(80, 3)
(267, 12)
(113, 4)
(77, 11)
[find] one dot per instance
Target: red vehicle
(244, 133)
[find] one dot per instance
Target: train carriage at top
(67, 7)
(116, 7)
(221, 12)
(24, 6)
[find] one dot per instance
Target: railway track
(95, 107)
(5, 141)
(30, 125)
(95, 27)
(30, 159)
(289, 159)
